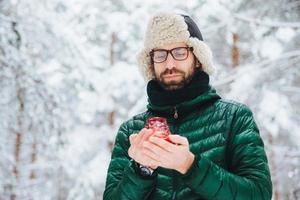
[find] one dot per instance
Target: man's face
(174, 74)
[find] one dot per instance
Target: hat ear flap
(203, 54)
(144, 63)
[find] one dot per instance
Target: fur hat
(165, 28)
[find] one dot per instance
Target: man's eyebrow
(169, 49)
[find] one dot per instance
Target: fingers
(132, 137)
(177, 139)
(153, 148)
(158, 143)
(143, 135)
(139, 136)
(151, 157)
(135, 150)
(146, 134)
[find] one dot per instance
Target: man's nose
(170, 62)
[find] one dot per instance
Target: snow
(274, 112)
(58, 87)
(271, 48)
(285, 34)
(81, 149)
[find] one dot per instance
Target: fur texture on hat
(167, 28)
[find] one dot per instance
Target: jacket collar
(184, 108)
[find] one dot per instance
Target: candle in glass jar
(160, 127)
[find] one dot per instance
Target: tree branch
(273, 24)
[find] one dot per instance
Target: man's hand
(175, 156)
(136, 149)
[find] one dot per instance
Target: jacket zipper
(175, 113)
(174, 194)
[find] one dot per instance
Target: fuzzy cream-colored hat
(165, 28)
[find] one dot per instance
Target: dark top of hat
(192, 27)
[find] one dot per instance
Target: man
(215, 150)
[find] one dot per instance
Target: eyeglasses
(178, 53)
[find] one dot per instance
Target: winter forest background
(68, 78)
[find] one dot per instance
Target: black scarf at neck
(161, 97)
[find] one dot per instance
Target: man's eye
(159, 54)
(179, 54)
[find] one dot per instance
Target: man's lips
(171, 75)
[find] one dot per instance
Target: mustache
(171, 71)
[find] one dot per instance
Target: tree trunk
(235, 50)
(33, 159)
(19, 128)
(18, 140)
(276, 195)
(17, 155)
(112, 49)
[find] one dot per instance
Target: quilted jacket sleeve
(122, 182)
(248, 176)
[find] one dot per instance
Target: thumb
(177, 139)
(132, 138)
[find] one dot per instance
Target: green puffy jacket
(230, 161)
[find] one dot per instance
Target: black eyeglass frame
(170, 52)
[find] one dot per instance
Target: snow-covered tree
(69, 79)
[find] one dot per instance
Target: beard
(183, 80)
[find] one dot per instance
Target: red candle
(159, 126)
